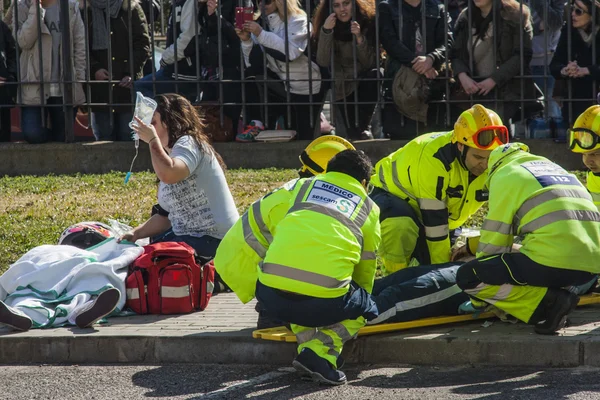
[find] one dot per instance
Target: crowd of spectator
(409, 65)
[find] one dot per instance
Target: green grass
(35, 210)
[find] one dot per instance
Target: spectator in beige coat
(42, 78)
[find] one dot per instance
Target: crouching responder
(246, 243)
(431, 186)
(319, 270)
(538, 200)
(584, 138)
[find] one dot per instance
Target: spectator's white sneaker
(14, 318)
(103, 305)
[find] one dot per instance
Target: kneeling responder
(533, 198)
(246, 243)
(585, 138)
(431, 186)
(319, 269)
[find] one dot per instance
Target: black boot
(551, 314)
(308, 363)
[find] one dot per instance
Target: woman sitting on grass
(195, 204)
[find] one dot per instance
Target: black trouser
(5, 124)
(211, 92)
(515, 269)
(366, 92)
(300, 110)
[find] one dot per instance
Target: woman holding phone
(284, 40)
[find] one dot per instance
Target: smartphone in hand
(243, 15)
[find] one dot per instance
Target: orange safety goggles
(487, 136)
(584, 138)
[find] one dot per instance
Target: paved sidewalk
(222, 334)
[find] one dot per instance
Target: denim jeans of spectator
(538, 72)
(120, 130)
(169, 85)
(205, 246)
(34, 131)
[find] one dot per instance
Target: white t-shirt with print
(201, 204)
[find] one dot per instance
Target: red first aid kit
(168, 279)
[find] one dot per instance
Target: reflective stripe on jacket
(246, 243)
(532, 197)
(428, 172)
(327, 239)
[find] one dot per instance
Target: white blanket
(52, 284)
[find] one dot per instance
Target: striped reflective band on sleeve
(303, 276)
(492, 249)
(368, 255)
(560, 215)
(258, 218)
(437, 233)
(381, 176)
(251, 239)
(491, 225)
(396, 180)
(431, 204)
(533, 202)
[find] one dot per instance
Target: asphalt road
(254, 382)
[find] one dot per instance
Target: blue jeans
(205, 246)
(539, 71)
(120, 130)
(32, 122)
(148, 87)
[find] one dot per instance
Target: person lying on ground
(77, 282)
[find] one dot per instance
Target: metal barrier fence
(492, 66)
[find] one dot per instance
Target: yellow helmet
(480, 128)
(317, 154)
(584, 137)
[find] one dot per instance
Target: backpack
(168, 279)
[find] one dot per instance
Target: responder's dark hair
(352, 162)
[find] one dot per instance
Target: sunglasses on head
(486, 136)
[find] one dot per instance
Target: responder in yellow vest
(246, 243)
(533, 198)
(319, 270)
(584, 138)
(431, 186)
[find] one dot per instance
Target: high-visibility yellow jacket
(593, 185)
(246, 243)
(327, 239)
(429, 173)
(534, 198)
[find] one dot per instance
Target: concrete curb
(453, 345)
(102, 157)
